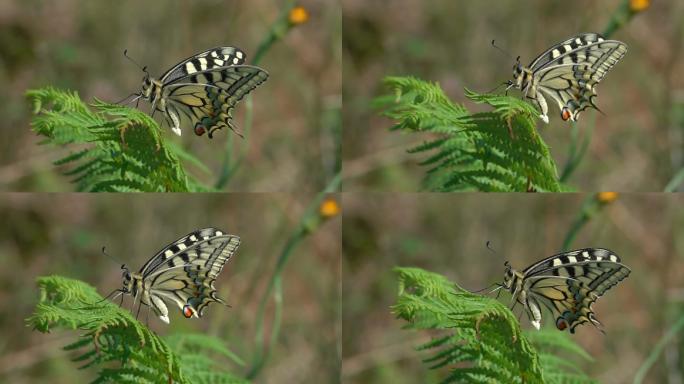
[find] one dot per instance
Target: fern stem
(310, 221)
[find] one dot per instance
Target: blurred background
(78, 45)
(447, 233)
(636, 146)
(63, 234)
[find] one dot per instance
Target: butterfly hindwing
(208, 98)
(568, 284)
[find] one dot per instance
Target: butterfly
(567, 284)
(204, 87)
(182, 273)
(568, 73)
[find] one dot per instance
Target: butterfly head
(127, 279)
(518, 74)
(146, 86)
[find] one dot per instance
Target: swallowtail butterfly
(567, 284)
(204, 87)
(568, 73)
(182, 273)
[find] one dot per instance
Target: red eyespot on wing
(565, 114)
(561, 324)
(199, 129)
(187, 311)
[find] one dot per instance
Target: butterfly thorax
(133, 283)
(523, 79)
(152, 91)
(513, 282)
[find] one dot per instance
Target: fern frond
(493, 151)
(112, 335)
(118, 148)
(478, 338)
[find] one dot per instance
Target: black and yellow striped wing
(207, 98)
(204, 61)
(569, 71)
(569, 283)
(204, 88)
(184, 271)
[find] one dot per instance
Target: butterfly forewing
(569, 283)
(203, 61)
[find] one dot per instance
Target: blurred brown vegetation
(78, 44)
(636, 146)
(46, 234)
(447, 233)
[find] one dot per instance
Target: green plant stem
(577, 151)
(310, 221)
(229, 167)
(657, 350)
(620, 17)
(587, 211)
(675, 182)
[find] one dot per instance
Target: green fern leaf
(477, 338)
(124, 148)
(492, 151)
(111, 334)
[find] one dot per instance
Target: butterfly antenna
(99, 301)
(132, 99)
(498, 86)
(144, 69)
(487, 287)
(503, 51)
(104, 252)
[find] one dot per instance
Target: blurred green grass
(78, 44)
(447, 233)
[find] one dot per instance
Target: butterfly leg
(137, 313)
(173, 115)
(543, 106)
(533, 312)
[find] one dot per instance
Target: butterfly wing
(569, 283)
(184, 271)
(203, 61)
(208, 97)
(569, 71)
(566, 46)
